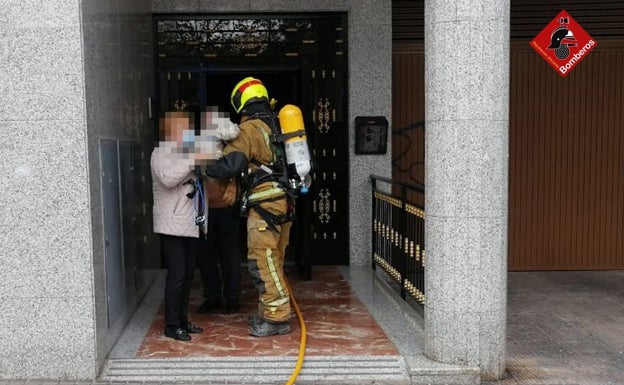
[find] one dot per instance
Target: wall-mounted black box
(371, 135)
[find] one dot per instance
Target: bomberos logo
(563, 43)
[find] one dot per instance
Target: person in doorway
(219, 260)
(268, 226)
(177, 214)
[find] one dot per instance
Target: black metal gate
(302, 59)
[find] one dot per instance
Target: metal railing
(398, 235)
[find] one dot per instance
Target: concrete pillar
(69, 77)
(466, 108)
(46, 270)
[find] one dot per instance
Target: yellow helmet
(247, 90)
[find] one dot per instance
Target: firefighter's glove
(225, 130)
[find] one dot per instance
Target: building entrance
(302, 60)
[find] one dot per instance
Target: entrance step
(424, 371)
(390, 370)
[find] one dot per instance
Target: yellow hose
(302, 343)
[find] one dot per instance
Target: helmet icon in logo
(561, 39)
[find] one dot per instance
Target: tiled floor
(563, 327)
(337, 323)
(359, 330)
(348, 311)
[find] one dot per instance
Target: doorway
(302, 60)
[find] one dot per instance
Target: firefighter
(266, 204)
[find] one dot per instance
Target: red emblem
(563, 43)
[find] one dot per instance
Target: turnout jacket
(253, 143)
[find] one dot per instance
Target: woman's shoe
(192, 328)
(177, 334)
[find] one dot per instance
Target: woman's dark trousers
(179, 254)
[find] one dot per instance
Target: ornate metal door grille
(197, 40)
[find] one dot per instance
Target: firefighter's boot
(262, 328)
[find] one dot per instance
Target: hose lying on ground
(302, 343)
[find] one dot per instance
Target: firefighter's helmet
(247, 91)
